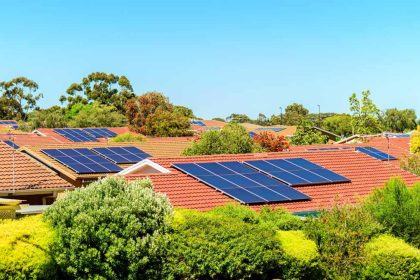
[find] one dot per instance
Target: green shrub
(397, 208)
(280, 219)
(127, 137)
(301, 254)
(237, 212)
(111, 229)
(24, 249)
(340, 234)
(388, 257)
(209, 246)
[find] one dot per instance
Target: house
(23, 178)
(363, 173)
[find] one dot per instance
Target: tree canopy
(295, 114)
(338, 124)
(365, 114)
(104, 88)
(399, 120)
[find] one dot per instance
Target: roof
(159, 147)
(365, 173)
(26, 138)
(19, 172)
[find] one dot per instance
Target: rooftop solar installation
(275, 129)
(200, 123)
(122, 155)
(11, 144)
(252, 134)
(375, 153)
(82, 160)
(329, 149)
(12, 123)
(100, 132)
(75, 135)
(241, 182)
(297, 171)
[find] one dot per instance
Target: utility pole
(319, 116)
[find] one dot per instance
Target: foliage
(338, 124)
(184, 111)
(415, 141)
(340, 235)
(100, 87)
(398, 209)
(24, 249)
(238, 118)
(53, 117)
(17, 97)
(302, 258)
(112, 229)
(399, 120)
(218, 119)
(231, 139)
(365, 114)
(308, 136)
(271, 142)
(96, 115)
(165, 123)
(207, 246)
(153, 114)
(388, 257)
(127, 137)
(295, 114)
(411, 163)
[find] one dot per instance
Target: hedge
(24, 249)
(388, 257)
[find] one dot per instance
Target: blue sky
(219, 57)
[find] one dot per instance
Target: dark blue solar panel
(297, 171)
(241, 182)
(11, 144)
(252, 134)
(100, 132)
(75, 135)
(200, 123)
(82, 160)
(375, 153)
(122, 155)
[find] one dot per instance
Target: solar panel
(100, 132)
(122, 155)
(241, 182)
(329, 149)
(200, 123)
(11, 144)
(275, 129)
(252, 134)
(12, 123)
(375, 153)
(296, 171)
(82, 160)
(75, 135)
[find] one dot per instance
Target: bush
(388, 257)
(398, 209)
(302, 258)
(127, 137)
(24, 249)
(340, 234)
(411, 163)
(415, 141)
(270, 142)
(111, 229)
(210, 246)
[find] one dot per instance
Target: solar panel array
(252, 134)
(75, 135)
(12, 123)
(375, 153)
(241, 182)
(330, 149)
(200, 123)
(122, 155)
(82, 160)
(275, 129)
(11, 144)
(297, 171)
(100, 132)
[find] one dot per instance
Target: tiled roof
(365, 173)
(19, 172)
(25, 138)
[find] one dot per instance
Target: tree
(231, 139)
(308, 136)
(18, 97)
(262, 119)
(415, 142)
(238, 118)
(295, 114)
(365, 114)
(338, 124)
(271, 142)
(218, 119)
(399, 120)
(112, 229)
(53, 117)
(153, 114)
(184, 111)
(107, 89)
(96, 115)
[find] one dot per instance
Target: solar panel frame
(82, 160)
(122, 155)
(375, 153)
(100, 132)
(11, 144)
(240, 186)
(75, 135)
